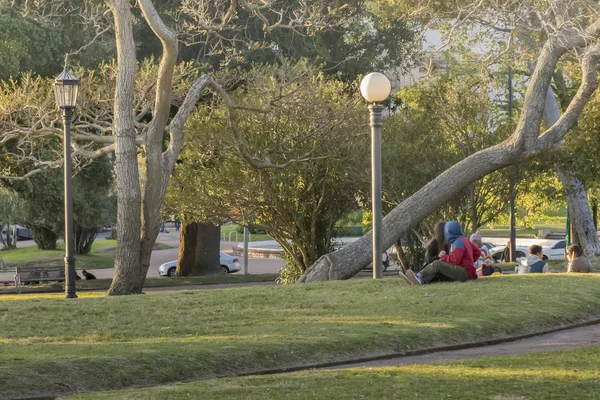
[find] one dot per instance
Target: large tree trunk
(199, 250)
(129, 273)
(595, 213)
(138, 210)
(525, 143)
(44, 238)
(582, 220)
(188, 240)
(11, 237)
(84, 238)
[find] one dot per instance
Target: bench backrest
(34, 274)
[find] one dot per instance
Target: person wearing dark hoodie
(458, 265)
(534, 262)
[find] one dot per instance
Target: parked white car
(553, 250)
(556, 250)
(498, 252)
(229, 264)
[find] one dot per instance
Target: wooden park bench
(30, 275)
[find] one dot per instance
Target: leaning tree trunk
(582, 220)
(525, 143)
(199, 250)
(352, 258)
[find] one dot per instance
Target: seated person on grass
(456, 266)
(577, 261)
(484, 255)
(534, 263)
(483, 264)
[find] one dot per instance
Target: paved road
(255, 265)
(567, 339)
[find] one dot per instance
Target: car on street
(554, 250)
(229, 264)
(497, 253)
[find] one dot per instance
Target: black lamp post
(65, 89)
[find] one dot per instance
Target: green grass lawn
(570, 374)
(30, 256)
(52, 345)
(226, 229)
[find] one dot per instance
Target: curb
(409, 353)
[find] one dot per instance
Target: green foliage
(42, 202)
(442, 122)
(28, 45)
(310, 117)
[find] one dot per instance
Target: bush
(291, 272)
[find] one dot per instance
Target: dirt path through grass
(566, 339)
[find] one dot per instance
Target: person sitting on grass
(484, 256)
(88, 275)
(534, 263)
(577, 261)
(483, 263)
(456, 266)
(437, 243)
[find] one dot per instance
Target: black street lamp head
(65, 90)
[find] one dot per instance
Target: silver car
(229, 264)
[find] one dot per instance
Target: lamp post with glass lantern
(375, 88)
(65, 89)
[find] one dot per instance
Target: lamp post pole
(69, 237)
(65, 90)
(375, 88)
(376, 111)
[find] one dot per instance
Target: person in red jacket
(456, 266)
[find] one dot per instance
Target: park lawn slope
(30, 256)
(101, 256)
(52, 345)
(571, 374)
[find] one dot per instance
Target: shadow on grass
(63, 346)
(567, 374)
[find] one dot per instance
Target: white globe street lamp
(375, 88)
(65, 89)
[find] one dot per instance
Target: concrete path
(567, 339)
